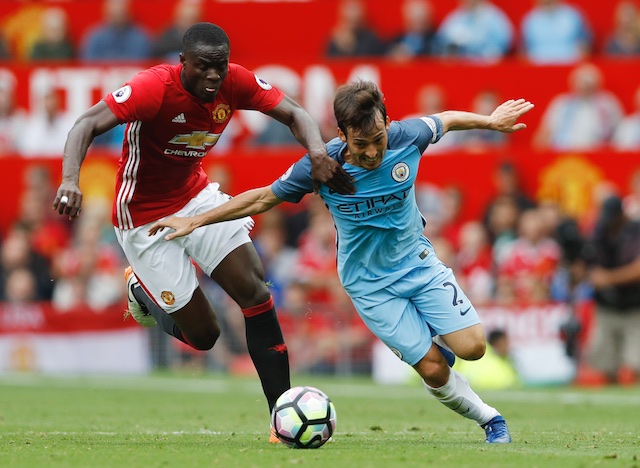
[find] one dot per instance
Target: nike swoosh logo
(464, 312)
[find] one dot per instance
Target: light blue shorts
(425, 302)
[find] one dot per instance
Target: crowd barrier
(38, 338)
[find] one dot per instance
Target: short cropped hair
(358, 105)
(204, 33)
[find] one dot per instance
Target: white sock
(457, 395)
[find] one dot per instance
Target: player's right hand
(68, 200)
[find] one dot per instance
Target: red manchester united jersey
(168, 133)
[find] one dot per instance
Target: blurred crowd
(586, 116)
(521, 251)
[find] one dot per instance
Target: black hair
(204, 33)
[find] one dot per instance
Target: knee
(204, 342)
(473, 350)
(434, 371)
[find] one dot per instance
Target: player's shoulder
(412, 132)
(159, 74)
(238, 72)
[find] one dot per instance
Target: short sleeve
(295, 183)
(418, 132)
(252, 92)
(139, 99)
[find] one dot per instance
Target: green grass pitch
(185, 420)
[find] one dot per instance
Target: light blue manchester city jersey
(379, 227)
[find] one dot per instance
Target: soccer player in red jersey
(175, 115)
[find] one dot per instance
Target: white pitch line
(335, 389)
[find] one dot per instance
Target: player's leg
(602, 349)
(629, 372)
(225, 252)
(395, 320)
(441, 304)
(241, 275)
(165, 287)
(452, 390)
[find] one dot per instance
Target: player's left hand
(325, 170)
(182, 226)
(505, 117)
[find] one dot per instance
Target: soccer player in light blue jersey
(407, 297)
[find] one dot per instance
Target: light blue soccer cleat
(496, 431)
(136, 310)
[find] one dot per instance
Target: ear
(342, 136)
(182, 58)
(388, 123)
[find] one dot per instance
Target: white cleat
(136, 310)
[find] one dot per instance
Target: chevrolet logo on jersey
(196, 140)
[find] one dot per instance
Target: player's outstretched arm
(251, 202)
(503, 119)
(95, 121)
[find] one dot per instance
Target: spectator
(570, 285)
(278, 258)
(12, 118)
(474, 263)
(20, 287)
(584, 118)
(117, 38)
(45, 130)
(89, 272)
(47, 234)
(502, 222)
(269, 132)
(495, 370)
(530, 261)
(482, 140)
(431, 99)
(614, 257)
(168, 45)
(624, 40)
(416, 38)
(16, 254)
(5, 53)
(316, 265)
(442, 207)
(631, 202)
(626, 136)
(352, 36)
(476, 30)
(555, 33)
(506, 181)
(53, 42)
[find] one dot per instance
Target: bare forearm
(503, 119)
(75, 149)
(249, 203)
(626, 274)
(307, 133)
(95, 121)
(460, 120)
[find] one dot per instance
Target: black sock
(269, 354)
(164, 320)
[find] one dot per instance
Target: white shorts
(166, 269)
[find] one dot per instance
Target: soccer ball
(303, 417)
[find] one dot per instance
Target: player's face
(366, 149)
(204, 69)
